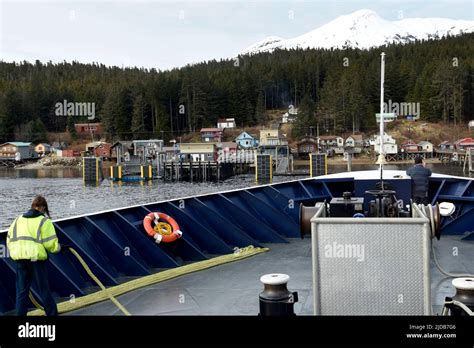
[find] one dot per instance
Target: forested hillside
(339, 89)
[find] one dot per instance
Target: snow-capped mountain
(365, 29)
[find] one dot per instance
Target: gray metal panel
(371, 266)
(264, 168)
(318, 164)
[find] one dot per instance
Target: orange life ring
(159, 232)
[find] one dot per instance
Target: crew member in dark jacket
(419, 180)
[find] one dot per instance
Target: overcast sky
(165, 34)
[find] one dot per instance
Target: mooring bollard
(464, 297)
(275, 299)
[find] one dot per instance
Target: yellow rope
(117, 290)
(94, 277)
(37, 305)
(163, 228)
(98, 282)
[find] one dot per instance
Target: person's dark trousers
(421, 200)
(28, 273)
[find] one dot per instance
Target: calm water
(67, 196)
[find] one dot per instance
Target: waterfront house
(272, 136)
(198, 151)
(70, 153)
(354, 140)
(88, 129)
(389, 144)
(409, 146)
(43, 149)
(446, 145)
(92, 145)
(224, 123)
(331, 141)
(464, 143)
(307, 145)
(273, 142)
(103, 150)
(227, 147)
(246, 141)
(17, 150)
(227, 151)
(425, 146)
(211, 135)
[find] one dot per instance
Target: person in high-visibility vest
(30, 238)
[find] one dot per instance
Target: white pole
(381, 159)
(382, 76)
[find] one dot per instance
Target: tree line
(334, 90)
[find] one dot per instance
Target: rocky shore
(52, 162)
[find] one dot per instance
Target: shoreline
(30, 167)
(52, 162)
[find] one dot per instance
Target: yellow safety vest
(32, 239)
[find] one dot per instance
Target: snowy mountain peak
(360, 14)
(365, 29)
(263, 44)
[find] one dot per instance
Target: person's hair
(418, 160)
(40, 202)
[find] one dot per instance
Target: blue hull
(116, 247)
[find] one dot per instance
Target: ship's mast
(381, 159)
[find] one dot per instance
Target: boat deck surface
(233, 288)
